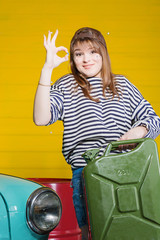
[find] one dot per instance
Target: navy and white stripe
(88, 124)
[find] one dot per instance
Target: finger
(45, 42)
(127, 146)
(49, 36)
(132, 145)
(58, 49)
(120, 147)
(55, 36)
(65, 58)
(123, 147)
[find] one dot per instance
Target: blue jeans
(78, 197)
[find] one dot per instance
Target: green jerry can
(123, 192)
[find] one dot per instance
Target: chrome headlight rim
(30, 205)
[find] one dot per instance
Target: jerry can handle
(114, 145)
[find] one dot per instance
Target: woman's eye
(78, 54)
(93, 51)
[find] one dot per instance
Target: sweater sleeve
(143, 113)
(56, 103)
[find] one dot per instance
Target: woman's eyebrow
(78, 49)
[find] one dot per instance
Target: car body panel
(14, 193)
(8, 185)
(4, 220)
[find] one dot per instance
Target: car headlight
(44, 210)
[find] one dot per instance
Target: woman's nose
(86, 57)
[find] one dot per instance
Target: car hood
(16, 191)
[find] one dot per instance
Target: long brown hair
(96, 39)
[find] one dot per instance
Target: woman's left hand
(134, 133)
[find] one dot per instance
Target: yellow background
(132, 32)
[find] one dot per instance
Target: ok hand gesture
(52, 59)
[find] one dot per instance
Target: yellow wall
(132, 31)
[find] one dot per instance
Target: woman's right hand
(52, 59)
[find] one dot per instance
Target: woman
(95, 105)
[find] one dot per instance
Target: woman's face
(87, 60)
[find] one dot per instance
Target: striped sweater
(88, 124)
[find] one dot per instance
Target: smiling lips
(87, 66)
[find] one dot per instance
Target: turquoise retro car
(28, 210)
